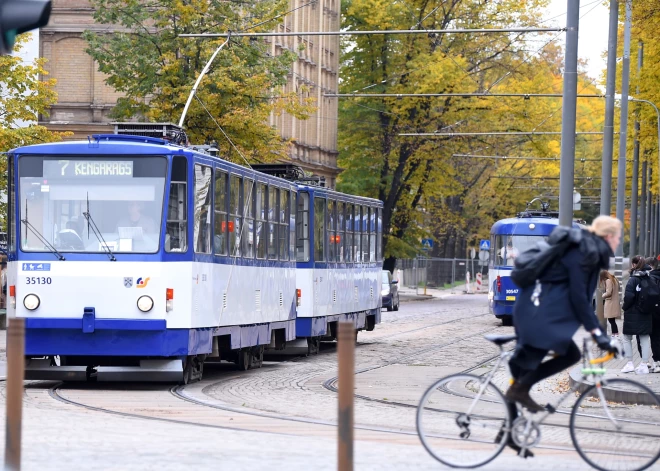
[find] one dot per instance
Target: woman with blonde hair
(610, 287)
(548, 313)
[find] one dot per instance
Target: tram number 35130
(38, 280)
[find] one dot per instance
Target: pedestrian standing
(654, 366)
(637, 302)
(610, 287)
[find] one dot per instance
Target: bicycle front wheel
(463, 421)
(617, 427)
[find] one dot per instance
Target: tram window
(357, 236)
(249, 196)
(283, 220)
(319, 229)
(221, 226)
(508, 247)
(11, 237)
(302, 227)
(372, 234)
(202, 221)
(291, 225)
(261, 220)
(365, 234)
(331, 231)
(379, 235)
(348, 239)
(235, 216)
(273, 211)
(177, 209)
(341, 234)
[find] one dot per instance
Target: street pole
(649, 206)
(623, 129)
(608, 129)
(346, 377)
(642, 213)
(14, 392)
(635, 181)
(567, 162)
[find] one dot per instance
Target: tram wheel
(313, 345)
(243, 359)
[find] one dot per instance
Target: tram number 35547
(38, 280)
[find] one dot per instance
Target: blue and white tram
(508, 238)
(339, 262)
(131, 258)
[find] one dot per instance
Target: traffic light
(20, 16)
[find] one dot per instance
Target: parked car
(389, 291)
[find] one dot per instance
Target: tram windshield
(508, 247)
(122, 195)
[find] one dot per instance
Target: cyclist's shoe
(520, 393)
(656, 367)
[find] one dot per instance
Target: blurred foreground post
(346, 376)
(15, 374)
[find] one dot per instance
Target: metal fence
(440, 273)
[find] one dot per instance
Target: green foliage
(428, 189)
(23, 97)
(155, 69)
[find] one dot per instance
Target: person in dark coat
(635, 320)
(655, 321)
(548, 313)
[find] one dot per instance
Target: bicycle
(614, 423)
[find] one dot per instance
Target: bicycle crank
(525, 433)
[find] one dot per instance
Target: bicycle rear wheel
(617, 427)
(458, 429)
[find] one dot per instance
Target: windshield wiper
(91, 224)
(39, 236)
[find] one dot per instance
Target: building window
(220, 238)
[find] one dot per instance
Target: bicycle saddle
(501, 339)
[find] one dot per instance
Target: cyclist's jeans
(547, 368)
(646, 347)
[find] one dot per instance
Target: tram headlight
(145, 303)
(31, 302)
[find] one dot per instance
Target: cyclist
(547, 315)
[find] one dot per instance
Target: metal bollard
(15, 375)
(346, 376)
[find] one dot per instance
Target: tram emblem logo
(142, 282)
(128, 281)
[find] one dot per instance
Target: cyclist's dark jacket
(567, 289)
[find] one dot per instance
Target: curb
(611, 394)
(415, 298)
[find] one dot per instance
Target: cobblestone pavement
(281, 414)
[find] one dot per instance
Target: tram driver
(509, 253)
(137, 219)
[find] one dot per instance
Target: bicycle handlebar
(606, 358)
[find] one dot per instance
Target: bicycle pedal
(550, 408)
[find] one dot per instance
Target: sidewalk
(410, 294)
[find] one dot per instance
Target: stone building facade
(85, 101)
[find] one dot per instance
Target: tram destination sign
(87, 168)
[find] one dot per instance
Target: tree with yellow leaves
(155, 69)
(23, 97)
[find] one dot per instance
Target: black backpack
(648, 298)
(530, 265)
